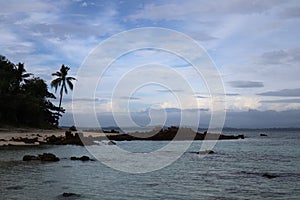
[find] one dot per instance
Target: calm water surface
(234, 172)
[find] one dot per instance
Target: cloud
(232, 94)
(28, 6)
(168, 91)
(130, 98)
(263, 119)
(281, 101)
(292, 12)
(281, 56)
(180, 11)
(66, 100)
(246, 84)
(282, 93)
(234, 119)
(200, 97)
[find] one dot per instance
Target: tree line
(24, 98)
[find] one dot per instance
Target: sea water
(235, 171)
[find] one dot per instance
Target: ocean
(254, 168)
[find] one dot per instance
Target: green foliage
(24, 99)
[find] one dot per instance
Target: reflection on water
(236, 171)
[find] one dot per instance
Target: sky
(254, 46)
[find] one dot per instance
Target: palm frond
(56, 74)
(65, 88)
(55, 83)
(70, 84)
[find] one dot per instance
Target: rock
(68, 135)
(79, 135)
(48, 157)
(17, 187)
(111, 143)
(111, 131)
(82, 158)
(270, 176)
(72, 128)
(206, 152)
(241, 136)
(263, 135)
(54, 140)
(73, 139)
(30, 158)
(70, 195)
(30, 141)
(25, 140)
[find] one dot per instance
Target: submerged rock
(206, 152)
(68, 195)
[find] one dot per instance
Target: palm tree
(21, 74)
(62, 81)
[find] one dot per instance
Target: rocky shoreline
(78, 138)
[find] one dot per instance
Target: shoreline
(35, 137)
(9, 137)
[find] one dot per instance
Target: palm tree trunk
(60, 98)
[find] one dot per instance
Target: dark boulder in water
(262, 134)
(270, 176)
(29, 158)
(82, 158)
(47, 157)
(206, 152)
(70, 195)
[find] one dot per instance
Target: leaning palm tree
(62, 81)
